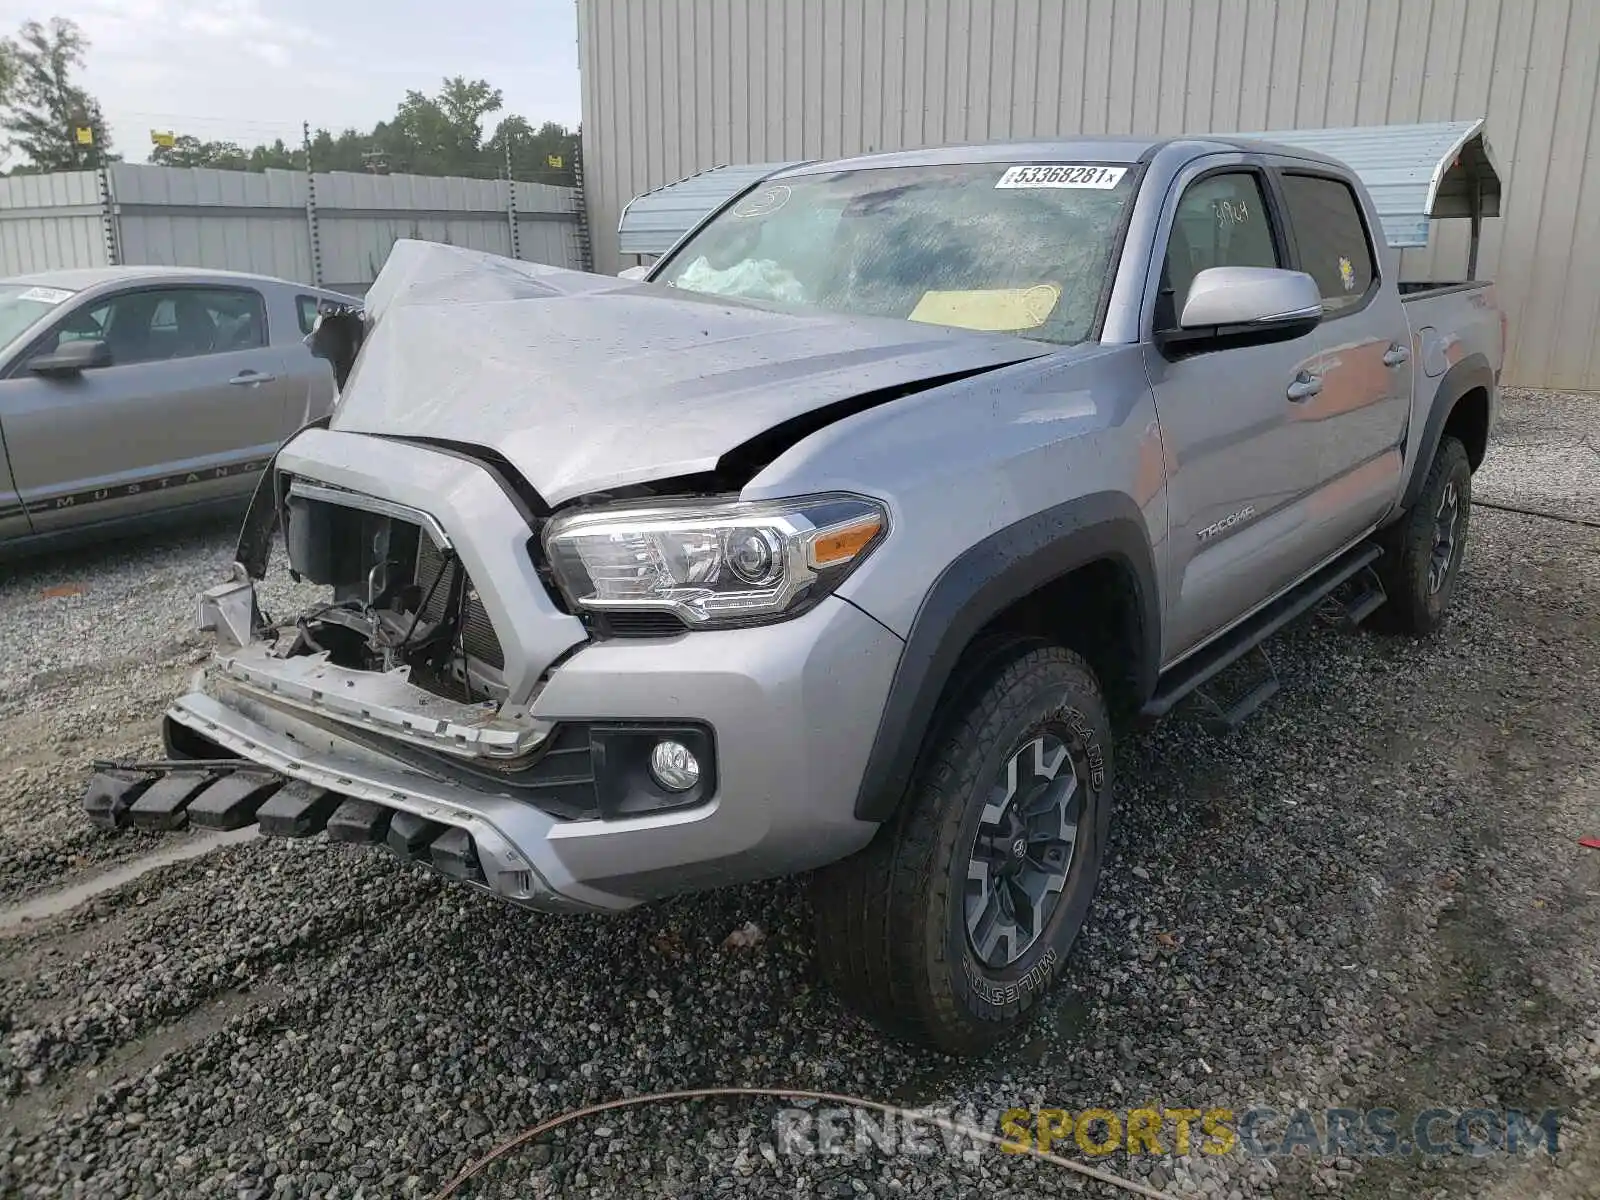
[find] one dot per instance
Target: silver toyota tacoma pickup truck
(846, 542)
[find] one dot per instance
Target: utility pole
(311, 207)
(511, 205)
(86, 134)
(84, 131)
(585, 245)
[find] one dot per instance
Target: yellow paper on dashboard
(993, 310)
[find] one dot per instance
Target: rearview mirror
(633, 272)
(1231, 306)
(70, 358)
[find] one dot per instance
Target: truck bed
(1450, 323)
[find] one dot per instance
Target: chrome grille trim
(372, 504)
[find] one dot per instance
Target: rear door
(189, 411)
(1239, 469)
(1359, 417)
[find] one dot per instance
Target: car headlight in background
(717, 564)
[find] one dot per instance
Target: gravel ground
(95, 641)
(1372, 895)
(1546, 455)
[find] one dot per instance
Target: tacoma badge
(1227, 522)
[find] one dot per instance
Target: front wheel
(954, 922)
(1423, 550)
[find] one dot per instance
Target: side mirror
(1241, 306)
(70, 358)
(633, 272)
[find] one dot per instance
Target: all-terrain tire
(1419, 574)
(892, 921)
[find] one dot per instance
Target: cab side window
(154, 325)
(1221, 221)
(1332, 239)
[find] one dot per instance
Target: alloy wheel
(1023, 849)
(1445, 521)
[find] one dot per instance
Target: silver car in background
(132, 393)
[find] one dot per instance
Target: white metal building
(674, 87)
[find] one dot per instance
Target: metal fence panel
(355, 248)
(262, 221)
(50, 221)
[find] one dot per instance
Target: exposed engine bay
(401, 598)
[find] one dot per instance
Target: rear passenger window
(1332, 237)
(1221, 221)
(307, 306)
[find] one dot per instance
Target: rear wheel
(953, 923)
(1423, 551)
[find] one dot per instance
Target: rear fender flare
(978, 586)
(1473, 371)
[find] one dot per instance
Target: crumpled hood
(584, 382)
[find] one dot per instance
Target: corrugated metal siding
(1403, 168)
(651, 223)
(242, 221)
(49, 221)
(231, 220)
(673, 87)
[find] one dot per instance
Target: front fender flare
(978, 586)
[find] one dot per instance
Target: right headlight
(714, 564)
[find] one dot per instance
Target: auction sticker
(45, 295)
(1061, 175)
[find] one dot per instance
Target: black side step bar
(1223, 715)
(1205, 664)
(1369, 597)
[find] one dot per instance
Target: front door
(192, 406)
(13, 516)
(1239, 469)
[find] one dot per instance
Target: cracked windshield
(976, 246)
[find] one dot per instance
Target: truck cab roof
(1086, 149)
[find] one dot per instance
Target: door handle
(250, 378)
(1396, 355)
(1304, 387)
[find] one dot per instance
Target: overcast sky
(251, 70)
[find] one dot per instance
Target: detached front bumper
(787, 712)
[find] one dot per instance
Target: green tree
(277, 155)
(187, 151)
(439, 135)
(44, 107)
(8, 77)
(531, 151)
